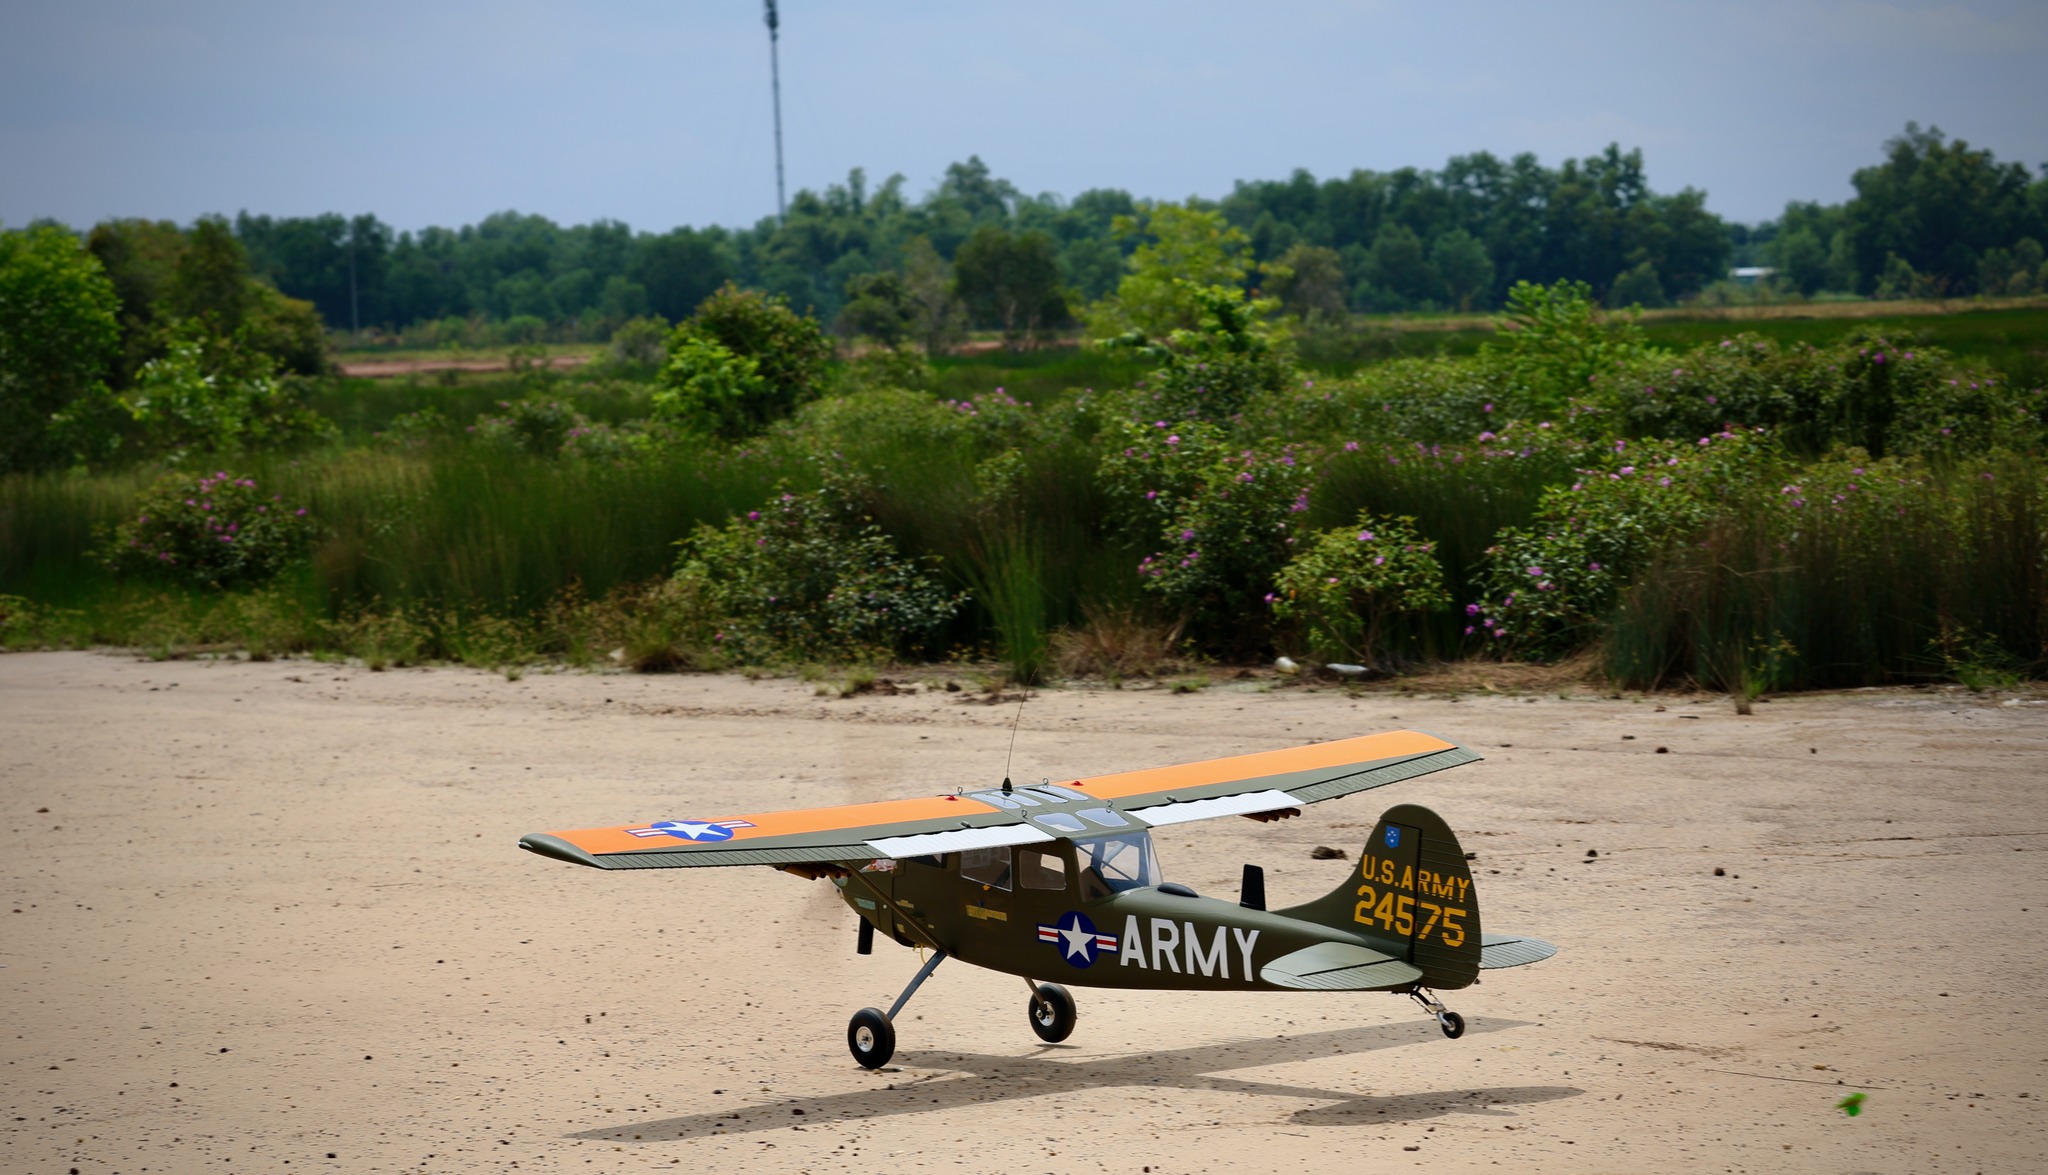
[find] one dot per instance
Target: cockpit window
(1120, 862)
(986, 866)
(1040, 869)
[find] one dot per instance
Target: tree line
(1936, 217)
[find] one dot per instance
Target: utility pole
(775, 88)
(355, 318)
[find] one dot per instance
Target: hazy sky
(443, 111)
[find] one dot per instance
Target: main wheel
(871, 1038)
(1452, 1024)
(1052, 1013)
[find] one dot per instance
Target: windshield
(1121, 862)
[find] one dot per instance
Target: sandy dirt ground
(270, 917)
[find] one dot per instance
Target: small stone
(1720, 872)
(1663, 750)
(1325, 853)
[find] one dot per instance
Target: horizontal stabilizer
(1511, 950)
(1334, 966)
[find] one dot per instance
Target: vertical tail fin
(1411, 897)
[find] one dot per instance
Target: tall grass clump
(1856, 573)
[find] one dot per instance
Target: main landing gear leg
(871, 1034)
(1452, 1023)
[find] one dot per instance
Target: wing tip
(549, 845)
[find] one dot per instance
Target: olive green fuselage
(1083, 932)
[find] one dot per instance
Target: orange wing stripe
(1392, 745)
(850, 816)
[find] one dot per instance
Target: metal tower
(775, 88)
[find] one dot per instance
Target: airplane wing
(1242, 785)
(1268, 781)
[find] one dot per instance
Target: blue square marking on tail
(1393, 837)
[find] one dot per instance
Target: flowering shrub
(1868, 391)
(1227, 517)
(1546, 583)
(210, 531)
(1348, 585)
(807, 577)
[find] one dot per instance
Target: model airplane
(1062, 879)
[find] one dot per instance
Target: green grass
(1040, 376)
(2012, 340)
(361, 408)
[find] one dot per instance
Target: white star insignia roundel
(1078, 940)
(691, 830)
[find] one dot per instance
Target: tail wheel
(1052, 1013)
(871, 1038)
(1452, 1024)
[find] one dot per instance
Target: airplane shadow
(979, 1079)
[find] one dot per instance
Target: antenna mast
(775, 88)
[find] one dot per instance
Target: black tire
(1452, 1024)
(871, 1038)
(1052, 1013)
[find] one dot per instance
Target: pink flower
(1592, 567)
(1351, 446)
(1366, 536)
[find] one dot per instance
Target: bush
(1349, 585)
(536, 425)
(780, 359)
(1554, 343)
(638, 343)
(208, 395)
(807, 578)
(708, 388)
(1212, 370)
(210, 531)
